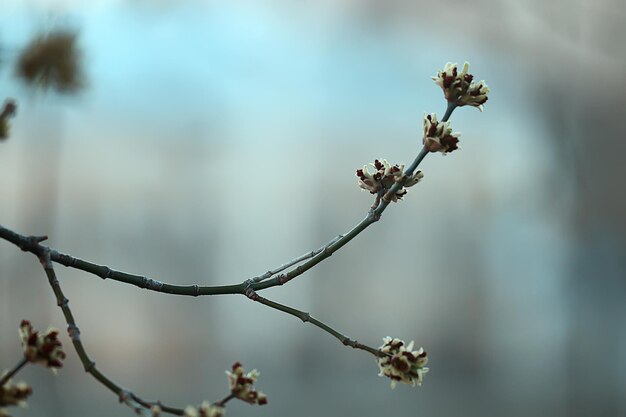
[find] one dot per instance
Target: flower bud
(401, 362)
(241, 383)
(438, 136)
(41, 348)
(14, 394)
(459, 88)
(384, 177)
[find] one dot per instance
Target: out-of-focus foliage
(8, 111)
(52, 60)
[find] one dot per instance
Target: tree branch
(307, 318)
(124, 395)
(33, 244)
(19, 365)
(295, 261)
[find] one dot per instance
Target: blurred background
(214, 140)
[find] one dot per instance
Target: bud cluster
(384, 176)
(14, 394)
(241, 383)
(402, 363)
(41, 348)
(438, 136)
(460, 88)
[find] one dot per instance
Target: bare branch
(307, 318)
(125, 396)
(295, 261)
(19, 365)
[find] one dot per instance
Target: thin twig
(409, 171)
(223, 401)
(127, 398)
(451, 106)
(307, 318)
(376, 202)
(19, 365)
(124, 395)
(149, 404)
(327, 252)
(372, 217)
(295, 261)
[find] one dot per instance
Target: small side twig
(19, 365)
(295, 261)
(307, 318)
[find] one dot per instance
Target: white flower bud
(402, 363)
(460, 88)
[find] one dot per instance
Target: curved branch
(33, 244)
(125, 396)
(307, 318)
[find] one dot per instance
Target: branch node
(44, 258)
(90, 366)
(124, 396)
(251, 294)
(74, 332)
(39, 239)
(196, 289)
(282, 279)
(349, 342)
(152, 284)
(63, 302)
(105, 272)
(29, 243)
(249, 291)
(305, 317)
